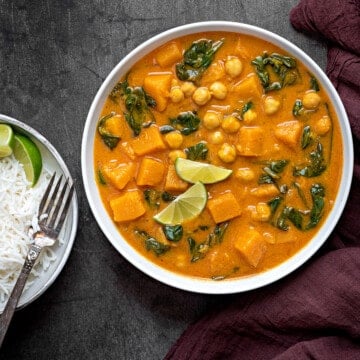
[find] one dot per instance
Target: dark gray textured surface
(53, 57)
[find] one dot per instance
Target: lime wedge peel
(185, 207)
(28, 154)
(194, 171)
(7, 140)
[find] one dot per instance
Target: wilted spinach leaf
(317, 192)
(109, 139)
(198, 251)
(272, 171)
(152, 197)
(151, 244)
(173, 233)
(197, 58)
(186, 122)
(101, 178)
(298, 108)
(137, 103)
(274, 204)
(166, 129)
(314, 85)
(283, 66)
(247, 107)
(306, 137)
(197, 152)
(316, 165)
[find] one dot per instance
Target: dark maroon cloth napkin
(315, 312)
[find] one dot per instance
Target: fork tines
(55, 204)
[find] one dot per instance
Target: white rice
(18, 211)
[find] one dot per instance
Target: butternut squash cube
(128, 150)
(251, 246)
(223, 207)
(248, 88)
(158, 87)
(173, 182)
(117, 126)
(250, 141)
(148, 141)
(119, 174)
(168, 54)
(128, 206)
(288, 132)
(151, 172)
(213, 73)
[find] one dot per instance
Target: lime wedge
(28, 154)
(193, 171)
(186, 206)
(6, 140)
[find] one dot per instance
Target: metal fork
(52, 212)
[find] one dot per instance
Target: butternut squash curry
(218, 155)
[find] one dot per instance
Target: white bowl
(52, 161)
(190, 283)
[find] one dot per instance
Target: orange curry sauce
(257, 237)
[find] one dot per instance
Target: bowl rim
(75, 213)
(188, 283)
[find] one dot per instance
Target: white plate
(53, 162)
(186, 282)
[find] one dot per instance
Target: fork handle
(13, 300)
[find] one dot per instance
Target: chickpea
(176, 94)
(212, 120)
(218, 90)
(188, 88)
(174, 139)
(201, 95)
(217, 137)
(173, 155)
(230, 124)
(323, 125)
(227, 153)
(262, 212)
(311, 100)
(245, 174)
(250, 116)
(233, 67)
(272, 105)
